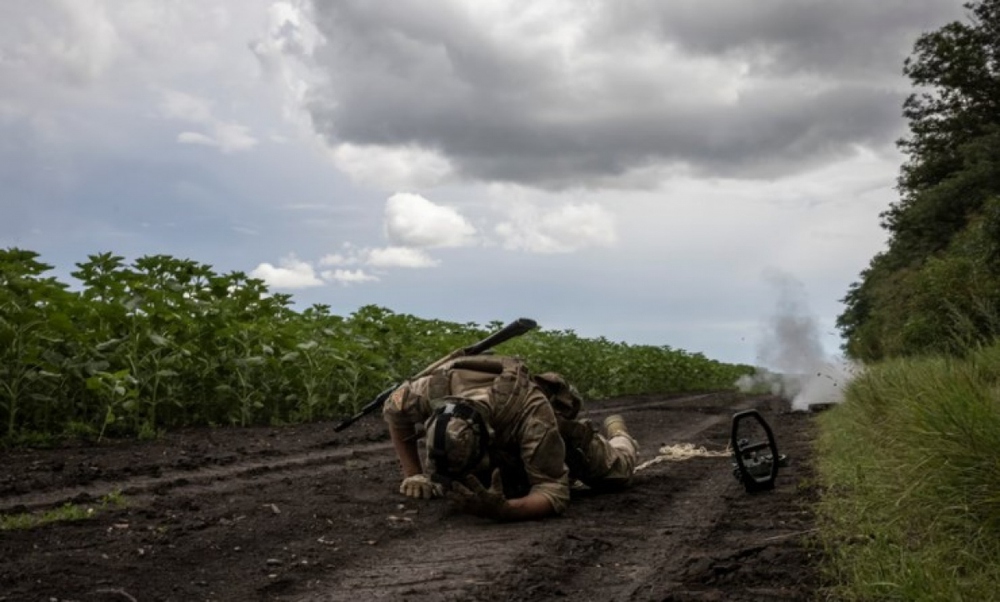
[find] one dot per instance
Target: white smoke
(796, 366)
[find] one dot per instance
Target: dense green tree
(947, 185)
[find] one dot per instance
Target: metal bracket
(757, 471)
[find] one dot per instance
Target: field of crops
(133, 349)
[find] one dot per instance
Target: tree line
(936, 287)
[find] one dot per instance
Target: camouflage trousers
(601, 463)
(597, 461)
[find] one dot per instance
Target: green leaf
(61, 323)
(94, 383)
(96, 367)
(159, 340)
(53, 358)
(106, 345)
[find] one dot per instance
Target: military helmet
(457, 438)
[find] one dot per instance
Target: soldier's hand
(421, 487)
(472, 498)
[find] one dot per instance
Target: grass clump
(66, 513)
(911, 468)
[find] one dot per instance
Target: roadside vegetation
(910, 462)
(911, 466)
(135, 349)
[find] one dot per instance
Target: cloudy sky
(674, 173)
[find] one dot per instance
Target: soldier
(488, 420)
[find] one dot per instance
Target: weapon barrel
(514, 329)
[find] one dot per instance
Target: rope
(682, 451)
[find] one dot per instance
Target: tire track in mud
(221, 479)
(202, 521)
(631, 537)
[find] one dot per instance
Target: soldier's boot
(618, 435)
(622, 453)
(614, 426)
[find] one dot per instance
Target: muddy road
(301, 513)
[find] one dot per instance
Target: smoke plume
(793, 361)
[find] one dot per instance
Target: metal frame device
(755, 470)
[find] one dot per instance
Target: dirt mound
(302, 513)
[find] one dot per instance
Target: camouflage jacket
(518, 410)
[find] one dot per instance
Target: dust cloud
(792, 360)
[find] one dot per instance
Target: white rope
(681, 451)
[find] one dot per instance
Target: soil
(303, 513)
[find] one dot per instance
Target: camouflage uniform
(528, 419)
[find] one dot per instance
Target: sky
(686, 174)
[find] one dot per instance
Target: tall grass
(911, 465)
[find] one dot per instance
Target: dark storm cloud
(841, 37)
(636, 88)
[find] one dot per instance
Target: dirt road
(300, 513)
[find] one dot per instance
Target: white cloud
(227, 136)
(74, 42)
(386, 257)
(564, 229)
(347, 277)
(400, 257)
(413, 221)
(58, 57)
(290, 29)
(334, 259)
(195, 138)
(291, 273)
(392, 167)
(232, 137)
(92, 45)
(285, 53)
